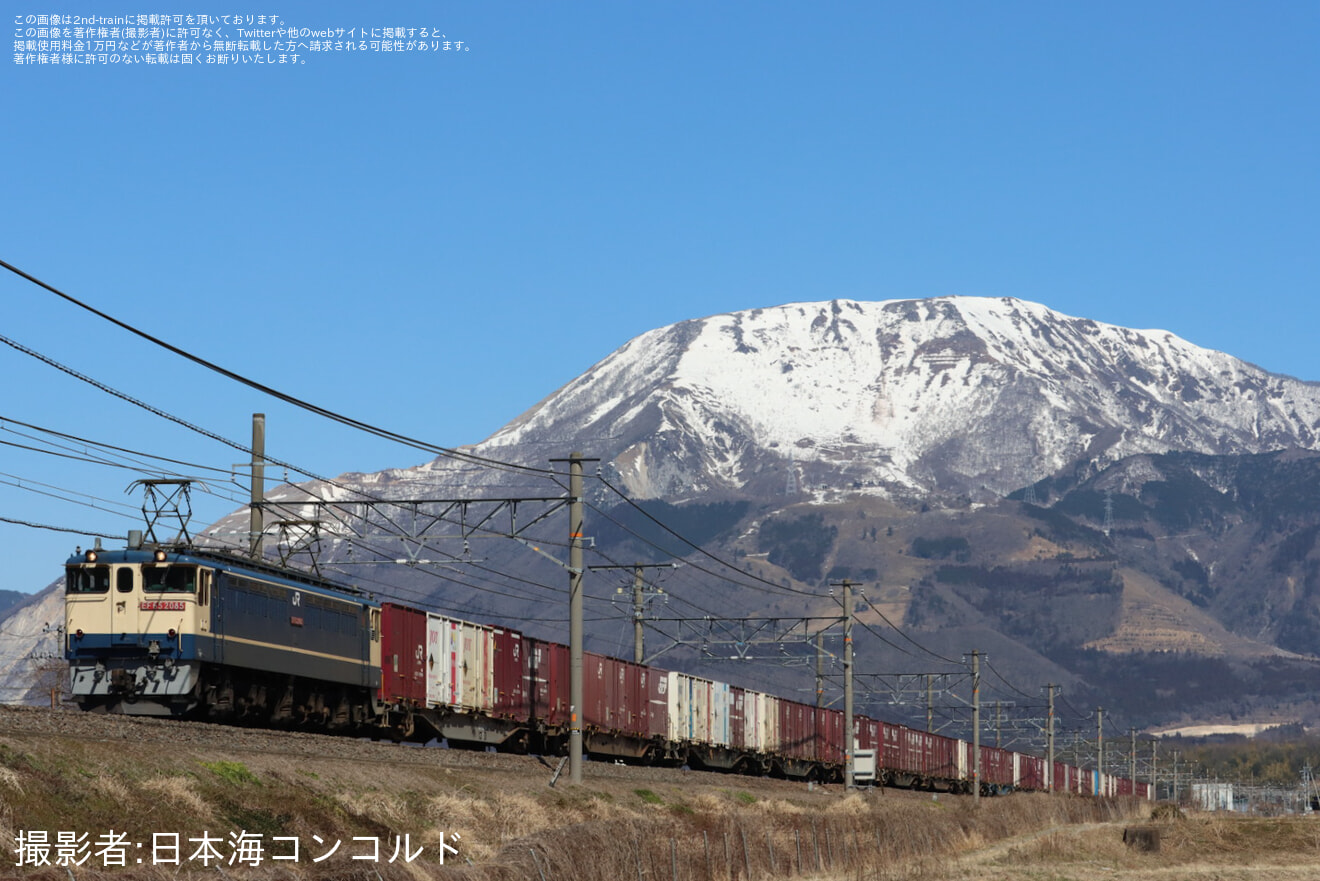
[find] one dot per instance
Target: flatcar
(181, 631)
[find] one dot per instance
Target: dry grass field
(1198, 847)
(496, 818)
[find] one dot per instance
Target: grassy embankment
(620, 825)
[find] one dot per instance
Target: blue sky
(434, 242)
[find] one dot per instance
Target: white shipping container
(756, 733)
(478, 668)
(444, 661)
(700, 708)
(720, 717)
(770, 722)
(680, 722)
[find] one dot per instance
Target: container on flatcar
(478, 644)
(1031, 772)
(768, 710)
(509, 700)
(655, 686)
(866, 735)
(403, 655)
(996, 767)
(797, 730)
(614, 696)
(721, 700)
(738, 718)
(444, 661)
(691, 708)
(829, 736)
(548, 675)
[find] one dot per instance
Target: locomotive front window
(169, 579)
(87, 579)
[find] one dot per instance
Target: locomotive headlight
(89, 557)
(160, 556)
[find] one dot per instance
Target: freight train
(186, 632)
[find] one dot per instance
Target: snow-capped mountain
(952, 395)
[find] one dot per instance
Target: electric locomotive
(168, 631)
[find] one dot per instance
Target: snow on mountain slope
(953, 394)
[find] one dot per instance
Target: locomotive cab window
(169, 579)
(124, 580)
(87, 579)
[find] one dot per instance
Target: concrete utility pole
(638, 600)
(258, 496)
(1049, 740)
(1132, 775)
(1100, 740)
(575, 691)
(820, 668)
(849, 743)
(850, 746)
(930, 706)
(976, 728)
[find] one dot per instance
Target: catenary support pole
(1049, 740)
(976, 728)
(639, 602)
(255, 525)
(575, 690)
(1132, 769)
(849, 768)
(1100, 740)
(820, 668)
(930, 706)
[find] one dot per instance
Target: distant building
(1213, 796)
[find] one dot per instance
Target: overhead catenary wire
(386, 434)
(757, 582)
(900, 632)
(17, 522)
(6, 422)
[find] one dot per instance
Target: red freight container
(996, 766)
(737, 721)
(1124, 786)
(548, 678)
(796, 730)
(1031, 772)
(921, 753)
(511, 665)
(866, 734)
(944, 757)
(893, 736)
(601, 691)
(829, 741)
(403, 655)
(654, 711)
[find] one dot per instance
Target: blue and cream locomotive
(167, 631)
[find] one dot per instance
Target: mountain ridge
(966, 395)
